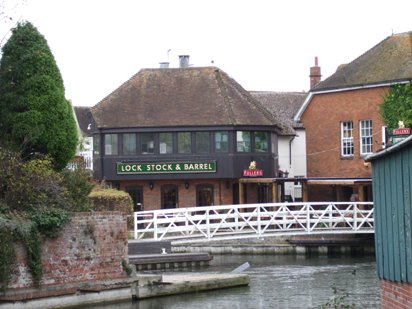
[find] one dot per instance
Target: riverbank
(139, 286)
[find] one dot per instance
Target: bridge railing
(196, 224)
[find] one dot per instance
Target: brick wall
(91, 247)
(187, 197)
(322, 121)
(395, 295)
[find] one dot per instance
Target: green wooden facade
(392, 190)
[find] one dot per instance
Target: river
(279, 281)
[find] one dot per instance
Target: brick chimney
(315, 74)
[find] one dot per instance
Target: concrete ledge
(139, 287)
(179, 284)
(169, 258)
(12, 295)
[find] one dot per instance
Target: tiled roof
(283, 105)
(195, 96)
(85, 119)
(390, 60)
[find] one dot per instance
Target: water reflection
(278, 282)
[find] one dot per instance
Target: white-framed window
(365, 137)
(346, 131)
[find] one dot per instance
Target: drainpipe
(101, 145)
(290, 150)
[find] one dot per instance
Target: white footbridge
(197, 224)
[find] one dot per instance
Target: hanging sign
(252, 171)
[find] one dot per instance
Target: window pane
(366, 143)
(129, 144)
(243, 141)
(147, 143)
(184, 142)
(96, 144)
(347, 138)
(166, 143)
(222, 141)
(261, 141)
(202, 142)
(110, 144)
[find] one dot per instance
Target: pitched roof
(84, 119)
(390, 60)
(195, 96)
(283, 105)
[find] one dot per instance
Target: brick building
(180, 137)
(341, 116)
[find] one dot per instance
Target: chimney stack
(164, 65)
(315, 75)
(184, 61)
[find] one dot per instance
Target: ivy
(34, 202)
(7, 256)
(25, 232)
(49, 221)
(397, 106)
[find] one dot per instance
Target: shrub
(112, 200)
(79, 186)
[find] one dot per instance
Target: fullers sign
(166, 167)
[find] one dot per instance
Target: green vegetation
(107, 199)
(338, 301)
(35, 202)
(127, 268)
(38, 193)
(35, 117)
(397, 106)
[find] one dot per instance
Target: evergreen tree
(397, 106)
(35, 116)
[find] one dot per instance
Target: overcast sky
(263, 44)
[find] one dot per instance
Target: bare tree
(10, 15)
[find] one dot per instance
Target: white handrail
(196, 224)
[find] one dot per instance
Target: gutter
(368, 86)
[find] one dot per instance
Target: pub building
(183, 137)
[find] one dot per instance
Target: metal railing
(196, 224)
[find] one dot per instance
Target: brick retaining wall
(395, 295)
(90, 248)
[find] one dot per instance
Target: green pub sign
(166, 167)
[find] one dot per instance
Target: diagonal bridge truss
(196, 224)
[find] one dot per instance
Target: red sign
(252, 173)
(401, 131)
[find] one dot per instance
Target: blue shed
(392, 187)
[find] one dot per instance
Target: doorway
(169, 196)
(204, 195)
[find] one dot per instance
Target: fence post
(187, 221)
(135, 224)
(237, 217)
(207, 224)
(355, 214)
(155, 225)
(258, 221)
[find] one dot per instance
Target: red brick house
(341, 116)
